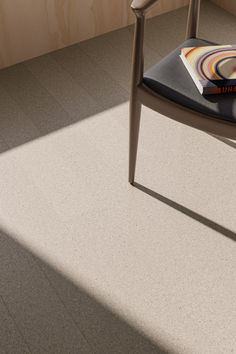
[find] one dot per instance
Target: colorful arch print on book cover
(212, 68)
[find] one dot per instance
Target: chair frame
(140, 94)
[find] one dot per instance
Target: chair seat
(171, 79)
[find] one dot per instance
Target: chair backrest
(193, 19)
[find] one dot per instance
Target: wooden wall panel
(29, 28)
(229, 5)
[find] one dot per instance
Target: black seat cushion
(171, 79)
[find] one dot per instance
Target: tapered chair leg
(136, 79)
(135, 112)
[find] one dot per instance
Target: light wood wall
(229, 5)
(29, 28)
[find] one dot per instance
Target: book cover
(212, 68)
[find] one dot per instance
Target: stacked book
(212, 68)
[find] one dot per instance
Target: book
(212, 68)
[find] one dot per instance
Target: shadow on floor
(48, 93)
(205, 221)
(53, 315)
(225, 141)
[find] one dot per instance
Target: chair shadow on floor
(55, 315)
(225, 141)
(188, 212)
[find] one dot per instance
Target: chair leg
(135, 112)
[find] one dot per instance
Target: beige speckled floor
(89, 264)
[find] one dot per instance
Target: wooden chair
(168, 88)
